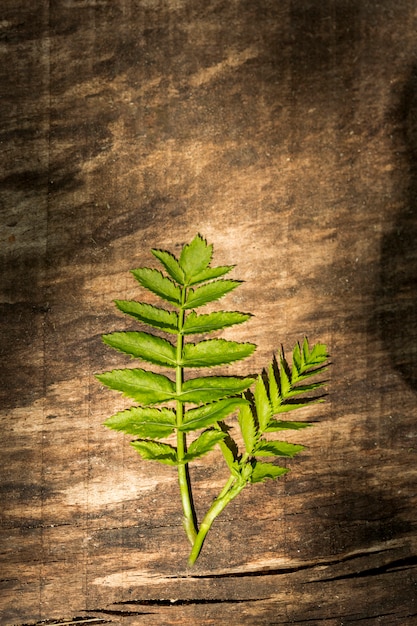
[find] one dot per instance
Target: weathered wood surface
(285, 132)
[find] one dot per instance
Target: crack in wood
(115, 612)
(187, 602)
(352, 617)
(66, 622)
(27, 526)
(8, 580)
(324, 620)
(380, 615)
(167, 603)
(392, 566)
(310, 565)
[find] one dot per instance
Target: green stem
(227, 486)
(189, 520)
(228, 493)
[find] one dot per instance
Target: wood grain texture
(285, 132)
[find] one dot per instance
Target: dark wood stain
(285, 132)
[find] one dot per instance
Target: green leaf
(195, 257)
(171, 265)
(211, 388)
(315, 356)
(210, 273)
(143, 346)
(210, 414)
(263, 406)
(285, 380)
(288, 405)
(158, 284)
(274, 390)
(296, 361)
(248, 427)
(209, 292)
(277, 425)
(289, 383)
(263, 471)
(308, 362)
(277, 448)
(215, 352)
(149, 314)
(218, 320)
(298, 389)
(203, 444)
(309, 373)
(156, 451)
(188, 283)
(143, 422)
(144, 387)
(229, 448)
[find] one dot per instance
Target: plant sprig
(183, 404)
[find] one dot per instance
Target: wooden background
(285, 132)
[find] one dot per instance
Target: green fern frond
(181, 404)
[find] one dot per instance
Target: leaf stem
(232, 489)
(189, 520)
